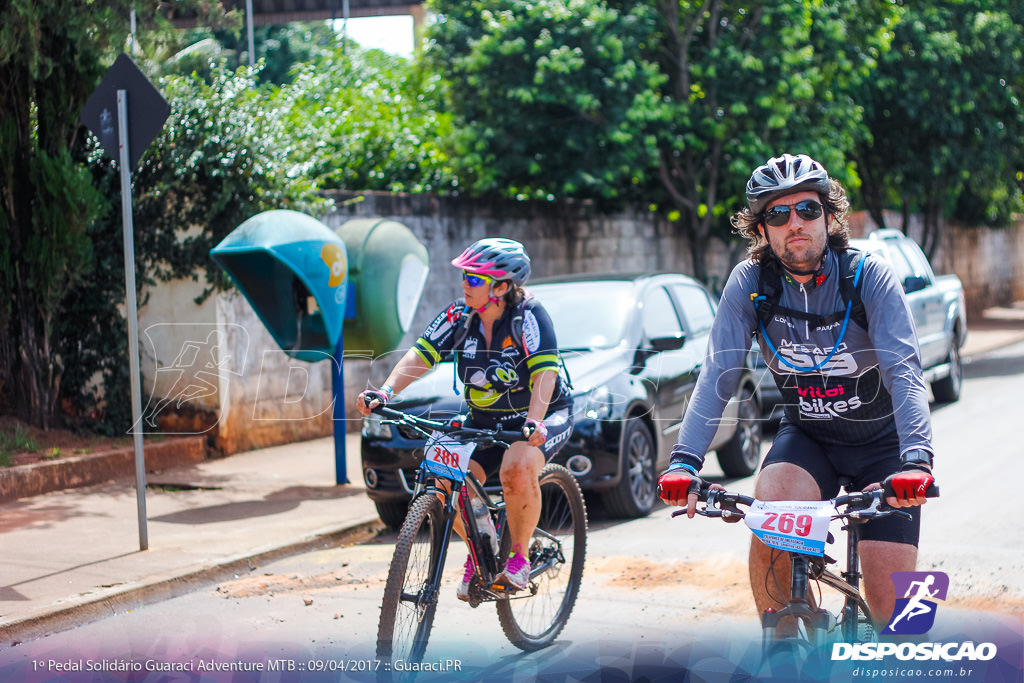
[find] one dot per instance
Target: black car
(633, 346)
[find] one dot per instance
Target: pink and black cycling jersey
(498, 379)
(841, 389)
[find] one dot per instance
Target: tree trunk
(698, 250)
(871, 191)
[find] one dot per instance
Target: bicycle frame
(848, 583)
(483, 557)
(819, 621)
(443, 489)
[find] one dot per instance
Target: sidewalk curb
(88, 609)
(24, 481)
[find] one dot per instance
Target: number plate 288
(446, 457)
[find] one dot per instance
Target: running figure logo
(914, 613)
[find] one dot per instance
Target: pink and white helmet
(496, 257)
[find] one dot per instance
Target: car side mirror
(914, 283)
(672, 343)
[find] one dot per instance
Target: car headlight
(374, 428)
(597, 404)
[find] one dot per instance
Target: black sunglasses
(777, 216)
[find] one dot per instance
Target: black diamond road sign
(147, 109)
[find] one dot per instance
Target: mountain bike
(801, 530)
(531, 618)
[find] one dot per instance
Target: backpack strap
(462, 318)
(519, 339)
(851, 263)
(849, 288)
(462, 329)
(766, 299)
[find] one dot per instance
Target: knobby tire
(405, 623)
(533, 622)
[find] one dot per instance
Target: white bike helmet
(784, 175)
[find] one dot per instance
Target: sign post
(135, 129)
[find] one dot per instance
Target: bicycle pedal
(504, 589)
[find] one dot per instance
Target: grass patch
(15, 440)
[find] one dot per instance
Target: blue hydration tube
(835, 347)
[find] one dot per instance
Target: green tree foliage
(551, 94)
(944, 118)
(224, 155)
(48, 68)
(747, 81)
(373, 122)
(675, 101)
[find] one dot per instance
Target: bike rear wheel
(532, 619)
(411, 591)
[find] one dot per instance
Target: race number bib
(799, 526)
(446, 457)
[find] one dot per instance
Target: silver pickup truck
(937, 302)
(940, 315)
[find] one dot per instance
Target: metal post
(133, 315)
(134, 44)
(344, 26)
(252, 40)
(340, 431)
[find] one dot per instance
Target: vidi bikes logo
(914, 614)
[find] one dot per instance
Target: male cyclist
(506, 355)
(856, 403)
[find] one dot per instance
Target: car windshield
(587, 315)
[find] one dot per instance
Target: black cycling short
(559, 424)
(863, 464)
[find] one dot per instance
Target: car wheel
(392, 513)
(947, 389)
(741, 455)
(637, 490)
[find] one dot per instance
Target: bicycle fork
(816, 621)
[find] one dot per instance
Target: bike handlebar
(452, 428)
(859, 504)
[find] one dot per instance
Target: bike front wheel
(533, 618)
(411, 591)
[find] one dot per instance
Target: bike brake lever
(703, 512)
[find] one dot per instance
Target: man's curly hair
(745, 224)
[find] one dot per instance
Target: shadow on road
(993, 366)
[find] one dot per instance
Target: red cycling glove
(908, 484)
(678, 482)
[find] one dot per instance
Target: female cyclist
(506, 355)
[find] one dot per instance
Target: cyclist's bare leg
(778, 481)
(878, 559)
(520, 468)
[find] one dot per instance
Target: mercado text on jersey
(497, 378)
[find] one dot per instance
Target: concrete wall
(260, 397)
(213, 369)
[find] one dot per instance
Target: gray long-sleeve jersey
(871, 386)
